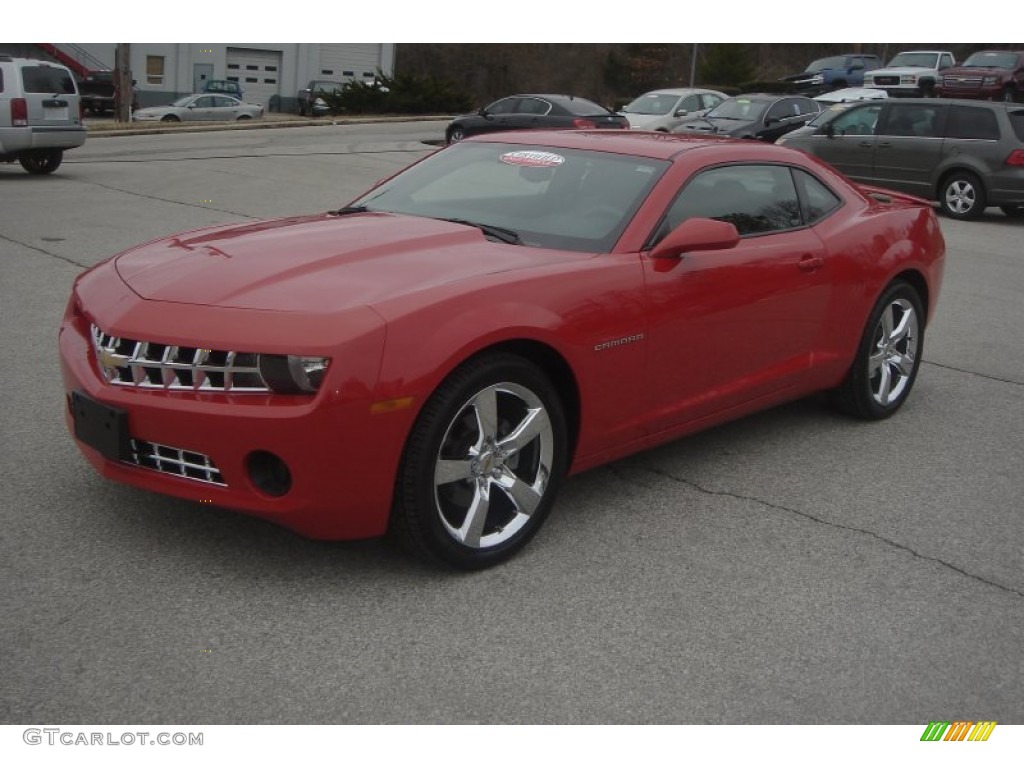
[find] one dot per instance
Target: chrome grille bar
(175, 461)
(151, 365)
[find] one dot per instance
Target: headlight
(908, 79)
(989, 80)
(292, 373)
(817, 80)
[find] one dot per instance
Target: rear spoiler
(881, 195)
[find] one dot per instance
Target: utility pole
(123, 82)
(693, 65)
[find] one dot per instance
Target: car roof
(679, 91)
(649, 144)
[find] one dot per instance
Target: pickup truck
(823, 75)
(911, 73)
(97, 91)
(986, 75)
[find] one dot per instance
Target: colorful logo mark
(959, 730)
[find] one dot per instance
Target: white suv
(39, 113)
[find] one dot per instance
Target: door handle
(884, 144)
(865, 143)
(811, 263)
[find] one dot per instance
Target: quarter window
(756, 199)
(818, 199)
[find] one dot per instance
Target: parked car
(844, 95)
(667, 108)
(224, 87)
(201, 106)
(986, 75)
(532, 111)
(833, 72)
(435, 357)
(965, 154)
(911, 73)
(309, 99)
(97, 92)
(40, 114)
(761, 116)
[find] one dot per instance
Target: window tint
(818, 199)
(912, 120)
(47, 80)
(753, 198)
(533, 107)
(1017, 121)
(503, 107)
(859, 121)
(972, 123)
(690, 103)
(583, 107)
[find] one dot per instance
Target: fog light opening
(268, 473)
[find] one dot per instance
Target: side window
(690, 103)
(223, 101)
(859, 121)
(807, 107)
(533, 107)
(504, 107)
(204, 102)
(911, 120)
(754, 198)
(710, 100)
(972, 123)
(781, 109)
(946, 61)
(818, 200)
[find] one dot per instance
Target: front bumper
(342, 458)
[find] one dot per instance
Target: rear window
(39, 79)
(972, 123)
(1017, 121)
(583, 107)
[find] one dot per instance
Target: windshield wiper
(509, 236)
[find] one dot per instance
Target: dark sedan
(761, 116)
(534, 110)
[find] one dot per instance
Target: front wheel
(1010, 94)
(482, 464)
(458, 133)
(40, 162)
(244, 117)
(962, 196)
(170, 119)
(888, 356)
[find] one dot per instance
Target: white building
(166, 71)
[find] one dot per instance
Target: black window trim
(657, 235)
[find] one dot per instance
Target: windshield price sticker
(533, 159)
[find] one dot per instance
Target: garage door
(349, 61)
(257, 72)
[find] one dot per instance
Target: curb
(253, 125)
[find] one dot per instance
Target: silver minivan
(40, 116)
(966, 154)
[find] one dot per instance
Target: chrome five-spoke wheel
(888, 356)
(962, 196)
(482, 464)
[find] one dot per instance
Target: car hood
(975, 71)
(319, 263)
(712, 125)
(900, 70)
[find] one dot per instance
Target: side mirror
(696, 235)
(829, 131)
(682, 113)
(483, 112)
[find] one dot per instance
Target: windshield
(832, 62)
(549, 196)
(914, 60)
(652, 104)
(739, 109)
(992, 60)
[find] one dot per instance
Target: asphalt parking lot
(792, 567)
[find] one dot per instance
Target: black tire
(838, 84)
(455, 133)
(40, 162)
(962, 196)
(243, 117)
(302, 109)
(1010, 95)
(170, 119)
(927, 89)
(891, 344)
(435, 518)
(1013, 211)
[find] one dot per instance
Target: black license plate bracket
(100, 426)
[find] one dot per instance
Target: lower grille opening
(175, 461)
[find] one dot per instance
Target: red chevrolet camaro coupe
(435, 357)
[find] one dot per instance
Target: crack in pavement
(973, 373)
(44, 251)
(821, 521)
(167, 200)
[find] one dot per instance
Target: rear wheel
(962, 196)
(42, 161)
(482, 465)
(884, 370)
